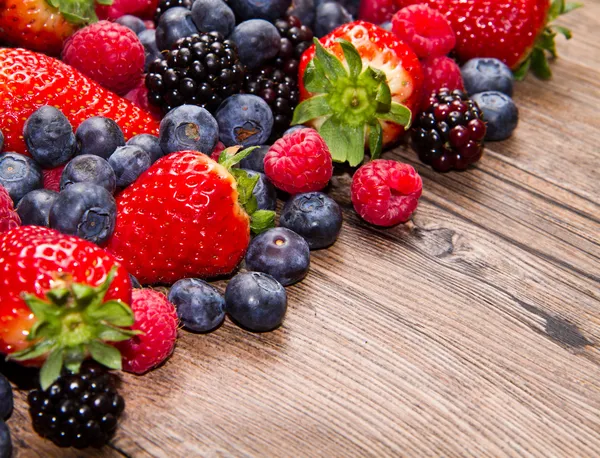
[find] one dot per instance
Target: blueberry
(129, 162)
(34, 207)
(256, 160)
(86, 210)
(134, 282)
(200, 306)
(148, 40)
(132, 22)
(500, 114)
(5, 442)
(281, 253)
(314, 216)
(303, 10)
(269, 10)
(49, 137)
(264, 191)
(330, 15)
(351, 6)
(175, 23)
(244, 119)
(213, 16)
(148, 143)
(6, 398)
(88, 168)
(293, 129)
(256, 301)
(487, 74)
(188, 127)
(257, 42)
(19, 175)
(99, 136)
(386, 26)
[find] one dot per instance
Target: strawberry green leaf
(106, 355)
(245, 186)
(232, 156)
(563, 31)
(352, 58)
(40, 308)
(261, 221)
(522, 71)
(74, 356)
(104, 2)
(398, 114)
(84, 293)
(51, 369)
(571, 6)
(539, 64)
(331, 133)
(375, 139)
(556, 9)
(314, 78)
(53, 3)
(114, 312)
(110, 333)
(312, 108)
(58, 295)
(33, 352)
(355, 136)
(383, 98)
(333, 68)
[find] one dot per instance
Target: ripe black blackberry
(449, 133)
(203, 70)
(164, 5)
(295, 39)
(77, 410)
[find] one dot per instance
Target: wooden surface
(471, 331)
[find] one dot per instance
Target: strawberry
(61, 299)
(518, 32)
(187, 217)
(117, 8)
(43, 25)
(359, 85)
(9, 219)
(29, 80)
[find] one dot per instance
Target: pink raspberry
(386, 193)
(425, 30)
(217, 151)
(9, 219)
(141, 8)
(299, 162)
(156, 317)
(439, 72)
(107, 52)
(52, 177)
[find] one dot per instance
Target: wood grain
(471, 331)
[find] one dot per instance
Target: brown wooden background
(471, 331)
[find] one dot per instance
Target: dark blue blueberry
(256, 160)
(134, 282)
(6, 398)
(264, 191)
(257, 42)
(175, 23)
(200, 306)
(148, 40)
(132, 22)
(188, 127)
(386, 26)
(244, 119)
(148, 143)
(88, 168)
(350, 5)
(5, 442)
(293, 129)
(99, 136)
(256, 301)
(86, 210)
(500, 114)
(19, 175)
(213, 16)
(281, 253)
(260, 9)
(49, 137)
(487, 74)
(34, 207)
(303, 10)
(129, 162)
(314, 216)
(330, 15)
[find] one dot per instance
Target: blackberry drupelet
(449, 133)
(77, 410)
(295, 39)
(164, 5)
(202, 70)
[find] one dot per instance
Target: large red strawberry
(518, 32)
(359, 85)
(29, 80)
(186, 216)
(61, 299)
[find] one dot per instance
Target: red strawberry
(364, 89)
(9, 219)
(61, 297)
(515, 31)
(29, 80)
(141, 8)
(157, 320)
(184, 217)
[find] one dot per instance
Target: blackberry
(295, 39)
(164, 5)
(77, 410)
(203, 69)
(449, 133)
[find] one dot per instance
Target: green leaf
(237, 156)
(53, 3)
(51, 369)
(261, 221)
(83, 293)
(546, 42)
(113, 334)
(563, 31)
(330, 131)
(352, 58)
(245, 187)
(332, 67)
(312, 108)
(539, 64)
(314, 78)
(42, 329)
(345, 142)
(375, 139)
(398, 114)
(116, 313)
(102, 289)
(74, 356)
(522, 71)
(383, 98)
(33, 352)
(556, 9)
(58, 295)
(104, 2)
(106, 355)
(40, 308)
(571, 6)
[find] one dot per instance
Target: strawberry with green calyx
(360, 86)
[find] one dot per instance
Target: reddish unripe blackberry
(449, 133)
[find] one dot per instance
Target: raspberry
(156, 317)
(386, 193)
(51, 177)
(117, 60)
(439, 72)
(9, 219)
(217, 151)
(425, 30)
(299, 162)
